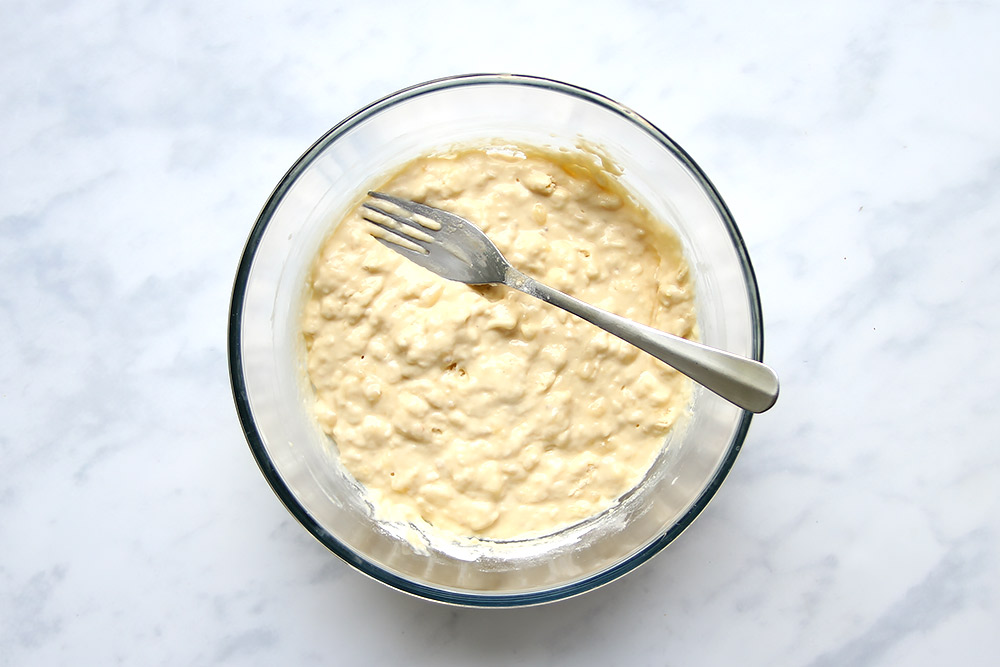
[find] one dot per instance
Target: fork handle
(747, 383)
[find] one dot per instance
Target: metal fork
(454, 248)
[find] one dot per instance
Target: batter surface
(480, 410)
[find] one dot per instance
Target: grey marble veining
(857, 145)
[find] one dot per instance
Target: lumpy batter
(480, 410)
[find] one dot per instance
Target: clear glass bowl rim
(255, 439)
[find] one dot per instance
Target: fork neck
(523, 283)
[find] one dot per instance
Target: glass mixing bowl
(266, 352)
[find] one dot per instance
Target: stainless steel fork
(454, 248)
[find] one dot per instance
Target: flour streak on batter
(480, 410)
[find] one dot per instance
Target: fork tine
(396, 236)
(404, 225)
(426, 216)
(412, 255)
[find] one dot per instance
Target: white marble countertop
(858, 146)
